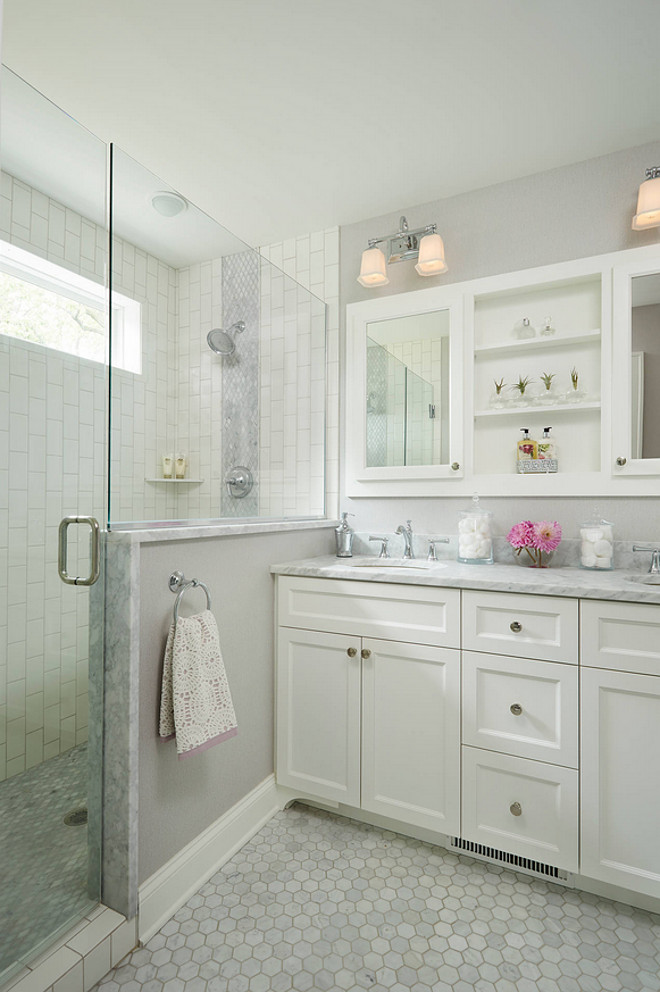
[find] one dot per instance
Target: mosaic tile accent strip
(317, 901)
(240, 379)
(43, 863)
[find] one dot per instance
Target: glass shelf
(529, 344)
(517, 411)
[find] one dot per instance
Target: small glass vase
(532, 557)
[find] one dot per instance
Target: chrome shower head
(222, 342)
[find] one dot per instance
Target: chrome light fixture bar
(422, 243)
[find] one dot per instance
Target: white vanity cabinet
(620, 761)
(520, 725)
(517, 723)
(371, 722)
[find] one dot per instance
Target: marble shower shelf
(178, 482)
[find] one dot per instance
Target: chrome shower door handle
(95, 551)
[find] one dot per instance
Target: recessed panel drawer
(523, 807)
(417, 614)
(620, 636)
(544, 627)
(521, 707)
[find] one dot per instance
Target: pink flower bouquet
(537, 539)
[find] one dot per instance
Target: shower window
(49, 305)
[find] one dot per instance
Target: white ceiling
(284, 116)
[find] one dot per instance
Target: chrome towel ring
(179, 583)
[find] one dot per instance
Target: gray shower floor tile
(43, 863)
(317, 901)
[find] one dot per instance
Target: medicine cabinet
(440, 382)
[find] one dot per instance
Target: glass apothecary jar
(475, 542)
(597, 544)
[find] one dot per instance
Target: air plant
(547, 378)
(574, 377)
(499, 386)
(522, 384)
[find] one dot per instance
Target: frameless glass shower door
(53, 388)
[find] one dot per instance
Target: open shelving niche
(575, 306)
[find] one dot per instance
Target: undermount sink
(648, 579)
(404, 563)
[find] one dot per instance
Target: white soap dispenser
(344, 537)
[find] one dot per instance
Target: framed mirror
(403, 424)
(636, 357)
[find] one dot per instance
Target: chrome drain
(77, 817)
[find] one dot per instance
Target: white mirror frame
(646, 261)
(400, 480)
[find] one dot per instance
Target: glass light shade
(431, 260)
(373, 271)
(648, 206)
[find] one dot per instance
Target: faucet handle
(654, 568)
(431, 556)
(383, 545)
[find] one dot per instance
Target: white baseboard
(173, 884)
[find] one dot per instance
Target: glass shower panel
(386, 407)
(218, 404)
(53, 385)
(420, 420)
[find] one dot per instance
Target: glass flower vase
(532, 557)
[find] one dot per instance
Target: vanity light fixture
(423, 244)
(648, 202)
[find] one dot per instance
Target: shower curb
(81, 957)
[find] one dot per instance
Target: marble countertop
(560, 581)
(180, 530)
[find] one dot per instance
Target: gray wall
(572, 212)
(179, 799)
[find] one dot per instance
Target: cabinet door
(318, 714)
(411, 733)
(620, 793)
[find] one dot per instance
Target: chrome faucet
(654, 568)
(407, 538)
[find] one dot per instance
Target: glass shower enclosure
(53, 389)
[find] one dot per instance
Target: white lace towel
(195, 701)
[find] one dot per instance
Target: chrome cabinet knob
(366, 653)
(515, 809)
(515, 627)
(351, 652)
(516, 709)
(455, 466)
(621, 461)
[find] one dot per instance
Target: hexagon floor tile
(319, 902)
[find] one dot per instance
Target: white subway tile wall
(291, 402)
(52, 428)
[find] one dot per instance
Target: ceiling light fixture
(168, 204)
(423, 243)
(648, 202)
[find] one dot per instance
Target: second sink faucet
(407, 539)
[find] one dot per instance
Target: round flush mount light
(168, 204)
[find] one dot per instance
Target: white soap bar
(589, 561)
(603, 562)
(592, 534)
